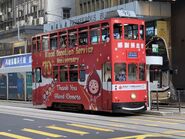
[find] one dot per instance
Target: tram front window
(120, 72)
(141, 72)
(132, 72)
(131, 31)
(117, 31)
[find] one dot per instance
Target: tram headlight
(133, 96)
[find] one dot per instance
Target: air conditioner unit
(41, 20)
(18, 23)
(9, 9)
(35, 3)
(7, 27)
(22, 22)
(30, 19)
(35, 21)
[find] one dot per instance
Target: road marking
(140, 136)
(116, 125)
(170, 119)
(91, 127)
(68, 130)
(138, 124)
(13, 135)
(42, 133)
(174, 132)
(150, 125)
(31, 120)
(153, 121)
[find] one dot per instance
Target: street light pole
(18, 31)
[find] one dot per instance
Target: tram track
(119, 123)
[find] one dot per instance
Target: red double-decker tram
(98, 66)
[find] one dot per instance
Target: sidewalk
(166, 110)
(163, 110)
(26, 104)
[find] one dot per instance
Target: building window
(93, 5)
(81, 9)
(97, 5)
(89, 7)
(122, 1)
(66, 13)
(102, 4)
(85, 8)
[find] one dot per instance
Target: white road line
(26, 119)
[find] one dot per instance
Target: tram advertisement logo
(69, 52)
(47, 67)
(69, 95)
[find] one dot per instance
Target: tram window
(38, 44)
(117, 31)
(34, 46)
(55, 72)
(63, 73)
(73, 73)
(142, 72)
(38, 75)
(72, 38)
(120, 71)
(131, 31)
(63, 39)
(105, 32)
(53, 41)
(82, 73)
(132, 72)
(107, 72)
(44, 42)
(83, 36)
(141, 32)
(94, 34)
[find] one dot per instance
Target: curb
(16, 101)
(162, 113)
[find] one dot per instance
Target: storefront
(16, 77)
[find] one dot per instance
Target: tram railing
(181, 97)
(176, 101)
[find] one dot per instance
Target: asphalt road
(29, 123)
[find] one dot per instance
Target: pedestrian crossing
(41, 133)
(92, 127)
(52, 133)
(77, 129)
(13, 136)
(68, 130)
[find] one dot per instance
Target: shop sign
(155, 48)
(18, 60)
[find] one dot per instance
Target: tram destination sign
(132, 55)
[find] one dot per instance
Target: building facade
(19, 21)
(178, 44)
(87, 6)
